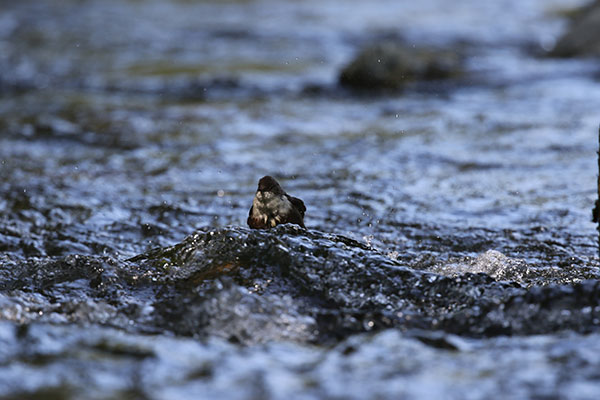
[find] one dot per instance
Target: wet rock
(347, 287)
(391, 65)
(250, 286)
(237, 314)
(581, 38)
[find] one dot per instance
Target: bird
(272, 206)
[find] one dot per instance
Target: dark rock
(583, 35)
(253, 286)
(333, 286)
(391, 65)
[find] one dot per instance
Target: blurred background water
(127, 125)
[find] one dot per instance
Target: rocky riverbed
(449, 253)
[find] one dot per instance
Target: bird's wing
(294, 217)
(297, 203)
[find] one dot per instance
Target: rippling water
(127, 126)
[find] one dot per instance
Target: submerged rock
(253, 286)
(391, 65)
(581, 38)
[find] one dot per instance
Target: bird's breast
(273, 206)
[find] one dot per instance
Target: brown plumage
(272, 206)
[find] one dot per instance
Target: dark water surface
(450, 250)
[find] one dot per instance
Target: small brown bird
(272, 206)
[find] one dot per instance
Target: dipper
(272, 206)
